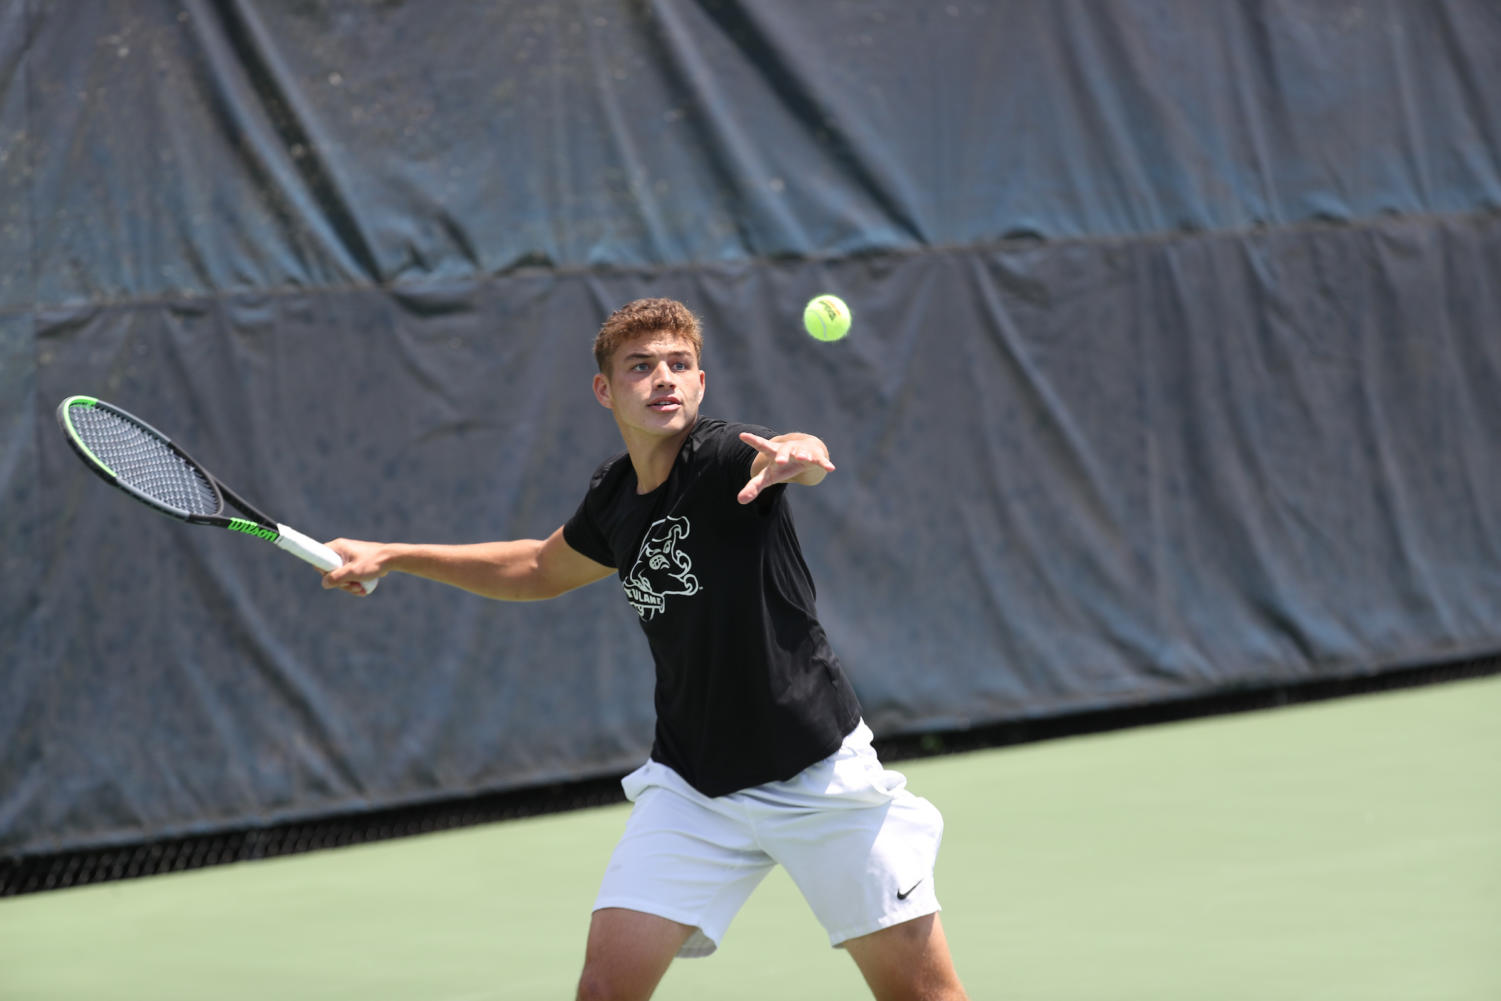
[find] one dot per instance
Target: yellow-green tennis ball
(826, 317)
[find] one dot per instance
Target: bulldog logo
(661, 569)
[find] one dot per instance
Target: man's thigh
(908, 962)
(627, 954)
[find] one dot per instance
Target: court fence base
(36, 873)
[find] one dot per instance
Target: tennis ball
(826, 317)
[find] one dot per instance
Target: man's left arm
(788, 458)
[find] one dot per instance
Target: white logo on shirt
(661, 569)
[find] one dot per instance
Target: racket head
(135, 457)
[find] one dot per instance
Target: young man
(760, 756)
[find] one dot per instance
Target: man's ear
(602, 390)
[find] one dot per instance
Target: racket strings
(143, 461)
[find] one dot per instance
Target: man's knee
(598, 983)
(595, 987)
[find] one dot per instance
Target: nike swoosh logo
(903, 896)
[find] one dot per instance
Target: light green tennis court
(1340, 850)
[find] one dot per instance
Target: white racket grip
(315, 552)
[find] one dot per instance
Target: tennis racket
(132, 455)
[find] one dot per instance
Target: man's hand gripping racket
(130, 454)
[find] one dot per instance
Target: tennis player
(760, 755)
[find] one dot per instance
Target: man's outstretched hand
(787, 458)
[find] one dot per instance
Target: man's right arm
(519, 570)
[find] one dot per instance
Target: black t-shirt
(748, 690)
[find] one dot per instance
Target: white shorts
(859, 846)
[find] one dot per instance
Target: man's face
(654, 385)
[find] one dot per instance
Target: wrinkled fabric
(1174, 367)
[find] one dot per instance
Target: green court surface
(1339, 850)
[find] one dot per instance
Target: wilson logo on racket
(251, 528)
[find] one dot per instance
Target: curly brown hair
(645, 316)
